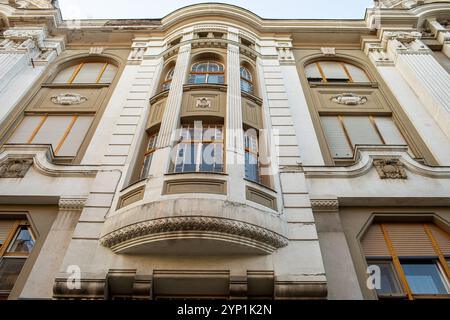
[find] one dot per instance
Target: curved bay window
(252, 171)
(16, 243)
(200, 148)
(148, 157)
(168, 80)
(335, 71)
(87, 72)
(212, 72)
(412, 259)
(246, 80)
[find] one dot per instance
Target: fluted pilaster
(173, 106)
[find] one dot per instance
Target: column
(235, 155)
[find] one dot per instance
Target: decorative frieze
(75, 204)
(32, 4)
(159, 227)
(15, 168)
(390, 169)
(285, 54)
(325, 204)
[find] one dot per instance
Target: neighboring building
(216, 154)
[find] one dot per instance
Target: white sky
(277, 9)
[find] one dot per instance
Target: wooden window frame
(78, 69)
(208, 73)
(344, 68)
(148, 152)
(13, 233)
(199, 143)
(441, 262)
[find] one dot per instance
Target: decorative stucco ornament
(390, 169)
(67, 99)
(203, 103)
(15, 168)
(32, 4)
(349, 99)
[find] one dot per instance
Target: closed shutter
(312, 72)
(357, 74)
(361, 131)
(75, 137)
(374, 244)
(25, 129)
(410, 240)
(89, 73)
(336, 138)
(5, 228)
(333, 71)
(389, 131)
(110, 72)
(442, 238)
(65, 75)
(52, 131)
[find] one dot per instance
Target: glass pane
(76, 136)
(152, 142)
(9, 271)
(251, 167)
(89, 73)
(246, 86)
(389, 283)
(65, 75)
(313, 73)
(147, 164)
(215, 67)
(424, 278)
(358, 75)
(333, 71)
(169, 75)
(216, 79)
(200, 67)
(197, 78)
(245, 74)
(23, 242)
(108, 75)
(166, 86)
(52, 131)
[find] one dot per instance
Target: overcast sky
(278, 9)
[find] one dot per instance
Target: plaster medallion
(349, 99)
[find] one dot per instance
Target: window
(343, 133)
(411, 257)
(168, 80)
(151, 147)
(64, 132)
(207, 72)
(16, 243)
(246, 80)
(87, 72)
(334, 71)
(200, 148)
(251, 155)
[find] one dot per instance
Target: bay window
(200, 148)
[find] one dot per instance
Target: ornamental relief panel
(350, 99)
(15, 168)
(208, 103)
(73, 99)
(390, 169)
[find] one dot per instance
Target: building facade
(216, 154)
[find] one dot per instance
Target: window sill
(205, 86)
(346, 84)
(76, 85)
(170, 174)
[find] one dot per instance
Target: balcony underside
(194, 226)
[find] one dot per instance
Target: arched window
(168, 80)
(87, 72)
(246, 80)
(335, 71)
(207, 72)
